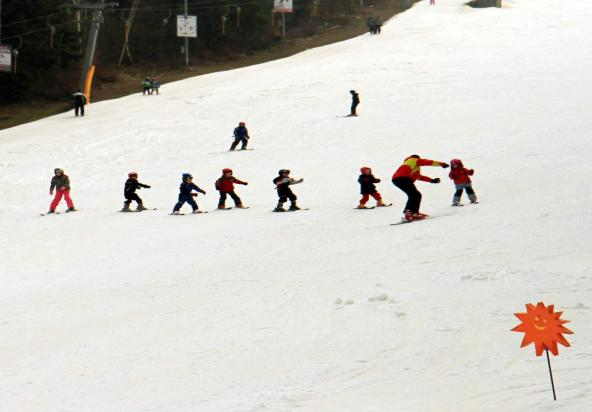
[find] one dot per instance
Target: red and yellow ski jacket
(411, 168)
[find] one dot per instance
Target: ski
(223, 208)
(136, 211)
(386, 205)
(288, 210)
(44, 214)
(403, 221)
(364, 208)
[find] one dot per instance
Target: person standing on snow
(355, 102)
(462, 181)
(146, 86)
(61, 183)
(240, 134)
(404, 178)
(282, 184)
(79, 100)
(225, 185)
(367, 188)
(129, 192)
(186, 194)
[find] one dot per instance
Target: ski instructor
(405, 177)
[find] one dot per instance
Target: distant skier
(225, 185)
(367, 188)
(129, 192)
(186, 194)
(433, 2)
(282, 185)
(241, 135)
(355, 102)
(155, 84)
(462, 181)
(61, 183)
(146, 86)
(79, 100)
(405, 177)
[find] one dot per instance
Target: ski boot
(175, 212)
(380, 203)
(140, 208)
(279, 207)
(294, 207)
(473, 198)
(241, 206)
(408, 216)
(125, 208)
(196, 211)
(72, 209)
(51, 211)
(361, 206)
(419, 216)
(455, 201)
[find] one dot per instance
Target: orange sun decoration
(542, 327)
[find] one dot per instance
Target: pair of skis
(205, 211)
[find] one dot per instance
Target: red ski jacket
(411, 168)
(226, 184)
(461, 175)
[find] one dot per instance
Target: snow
(329, 309)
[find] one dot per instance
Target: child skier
(282, 185)
(367, 188)
(241, 135)
(129, 192)
(186, 195)
(404, 178)
(225, 185)
(61, 183)
(462, 181)
(355, 102)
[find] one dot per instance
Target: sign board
(282, 6)
(5, 58)
(187, 27)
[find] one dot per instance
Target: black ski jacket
(366, 182)
(131, 185)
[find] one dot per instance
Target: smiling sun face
(542, 327)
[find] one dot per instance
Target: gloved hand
(246, 183)
(203, 192)
(436, 180)
(471, 171)
(377, 181)
(445, 165)
(194, 194)
(147, 187)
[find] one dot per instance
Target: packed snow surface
(329, 309)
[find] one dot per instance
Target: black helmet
(187, 176)
(58, 170)
(282, 171)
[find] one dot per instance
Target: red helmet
(132, 174)
(226, 170)
(363, 169)
(241, 123)
(456, 162)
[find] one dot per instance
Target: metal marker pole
(551, 374)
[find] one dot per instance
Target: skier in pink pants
(61, 183)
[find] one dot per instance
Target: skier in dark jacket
(355, 102)
(79, 100)
(129, 192)
(241, 135)
(186, 194)
(368, 188)
(225, 185)
(282, 184)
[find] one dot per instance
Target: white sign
(187, 27)
(5, 58)
(282, 6)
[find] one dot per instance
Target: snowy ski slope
(236, 311)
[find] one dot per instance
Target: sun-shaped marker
(542, 327)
